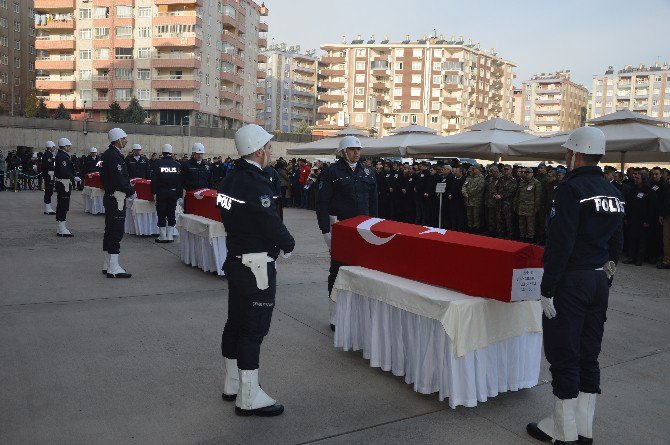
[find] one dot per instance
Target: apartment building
(446, 85)
(17, 54)
(517, 106)
(552, 102)
(188, 62)
(290, 88)
(641, 89)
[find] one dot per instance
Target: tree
(134, 114)
(42, 111)
(115, 113)
(303, 128)
(30, 107)
(62, 113)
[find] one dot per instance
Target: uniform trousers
(473, 213)
(491, 220)
(48, 189)
(62, 201)
(572, 339)
(527, 226)
(638, 238)
(504, 217)
(115, 220)
(457, 217)
(166, 205)
(249, 313)
(666, 240)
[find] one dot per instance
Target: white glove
(134, 196)
(154, 198)
(548, 307)
(77, 179)
(285, 255)
(327, 237)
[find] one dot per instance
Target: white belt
(120, 199)
(257, 262)
(51, 175)
(66, 183)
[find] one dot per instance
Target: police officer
(92, 162)
(138, 164)
(584, 241)
(346, 189)
(166, 188)
(48, 173)
(64, 173)
(195, 173)
(116, 182)
(255, 238)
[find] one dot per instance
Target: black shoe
(162, 241)
(119, 275)
(65, 235)
(104, 271)
(638, 263)
(537, 433)
(560, 442)
(581, 440)
(268, 411)
(628, 261)
(662, 266)
(228, 398)
(332, 327)
(49, 213)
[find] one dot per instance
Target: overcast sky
(584, 36)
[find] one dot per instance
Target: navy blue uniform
(584, 233)
(91, 165)
(196, 176)
(166, 186)
(114, 178)
(252, 226)
(345, 193)
(138, 168)
(63, 170)
(47, 168)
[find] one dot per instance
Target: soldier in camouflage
(473, 192)
(490, 202)
(505, 191)
(527, 204)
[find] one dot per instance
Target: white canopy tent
(487, 140)
(397, 143)
(329, 145)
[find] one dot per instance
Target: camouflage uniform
(491, 204)
(506, 188)
(473, 192)
(527, 205)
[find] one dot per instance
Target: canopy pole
(497, 159)
(623, 162)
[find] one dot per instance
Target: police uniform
(166, 187)
(64, 175)
(138, 167)
(48, 168)
(195, 176)
(91, 164)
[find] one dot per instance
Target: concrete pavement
(86, 359)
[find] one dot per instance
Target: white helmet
(350, 142)
(586, 140)
(93, 150)
(198, 148)
(115, 134)
(137, 147)
(64, 142)
(250, 138)
(167, 148)
(50, 144)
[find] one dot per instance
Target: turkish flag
(93, 180)
(473, 264)
(202, 202)
(142, 188)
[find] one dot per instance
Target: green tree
(303, 128)
(115, 113)
(134, 114)
(30, 107)
(62, 113)
(42, 111)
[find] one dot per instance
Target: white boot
(105, 263)
(62, 230)
(251, 399)
(161, 235)
(586, 407)
(231, 379)
(48, 210)
(114, 270)
(170, 234)
(565, 423)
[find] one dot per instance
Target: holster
(257, 263)
(67, 184)
(120, 199)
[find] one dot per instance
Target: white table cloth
(464, 348)
(92, 198)
(141, 217)
(202, 243)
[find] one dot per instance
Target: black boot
(268, 411)
(537, 433)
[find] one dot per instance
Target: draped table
(202, 243)
(464, 348)
(92, 197)
(142, 219)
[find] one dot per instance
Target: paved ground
(85, 359)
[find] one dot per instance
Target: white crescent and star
(365, 231)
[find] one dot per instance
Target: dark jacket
(114, 173)
(196, 176)
(138, 168)
(91, 165)
(166, 176)
(63, 167)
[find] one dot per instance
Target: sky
(584, 36)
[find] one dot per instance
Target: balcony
(55, 42)
(449, 113)
(179, 2)
(548, 90)
(452, 86)
(304, 81)
(233, 40)
(262, 42)
(231, 77)
(380, 86)
(263, 27)
(337, 85)
(556, 100)
(262, 58)
(53, 103)
(332, 72)
(305, 93)
(175, 60)
(230, 94)
(176, 40)
(174, 103)
(101, 103)
(333, 59)
(48, 64)
(547, 112)
(48, 5)
(49, 84)
(301, 104)
(175, 82)
(329, 110)
(57, 24)
(260, 106)
(101, 82)
(308, 69)
(261, 74)
(230, 22)
(546, 121)
(177, 18)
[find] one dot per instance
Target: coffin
(202, 202)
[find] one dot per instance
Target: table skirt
(418, 348)
(140, 223)
(197, 251)
(93, 204)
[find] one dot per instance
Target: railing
(173, 35)
(175, 99)
(56, 79)
(100, 77)
(56, 37)
(178, 14)
(176, 77)
(60, 59)
(173, 56)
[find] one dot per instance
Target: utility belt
(120, 199)
(257, 263)
(67, 184)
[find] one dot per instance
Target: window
(124, 53)
(398, 78)
(437, 52)
(434, 105)
(437, 79)
(17, 45)
(399, 52)
(360, 78)
(17, 8)
(101, 12)
(397, 91)
(359, 91)
(86, 34)
(3, 4)
(4, 41)
(398, 66)
(123, 73)
(85, 95)
(433, 119)
(360, 52)
(415, 104)
(414, 120)
(17, 26)
(3, 22)
(17, 62)
(124, 11)
(174, 95)
(360, 65)
(359, 117)
(143, 94)
(84, 74)
(437, 66)
(102, 53)
(124, 32)
(144, 12)
(416, 78)
(359, 104)
(101, 33)
(416, 92)
(143, 53)
(122, 94)
(416, 66)
(417, 52)
(397, 104)
(144, 32)
(85, 14)
(84, 54)
(404, 119)
(143, 74)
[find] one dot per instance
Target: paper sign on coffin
(93, 180)
(475, 265)
(202, 202)
(142, 188)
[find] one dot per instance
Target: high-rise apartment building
(552, 102)
(517, 106)
(188, 62)
(17, 54)
(446, 85)
(290, 88)
(643, 89)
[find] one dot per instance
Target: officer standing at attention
(138, 164)
(584, 241)
(166, 188)
(255, 238)
(48, 173)
(346, 189)
(64, 173)
(195, 173)
(91, 163)
(116, 182)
